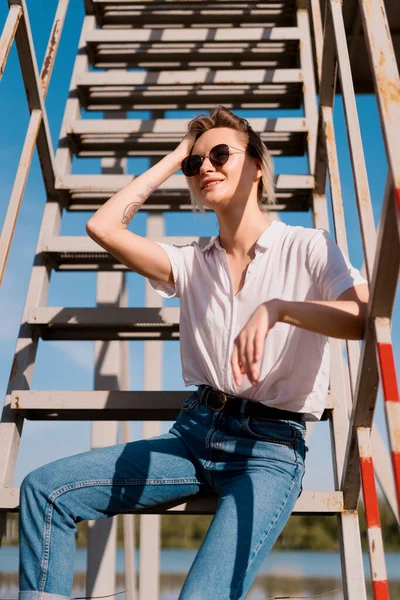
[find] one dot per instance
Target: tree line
(303, 532)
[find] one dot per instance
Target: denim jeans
(253, 466)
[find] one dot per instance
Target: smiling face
(235, 181)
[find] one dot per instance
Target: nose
(206, 166)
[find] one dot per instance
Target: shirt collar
(265, 240)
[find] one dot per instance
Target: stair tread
(100, 137)
(89, 192)
(190, 89)
(154, 48)
(106, 405)
(314, 501)
(115, 12)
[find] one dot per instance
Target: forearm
(338, 319)
(119, 210)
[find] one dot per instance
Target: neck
(240, 228)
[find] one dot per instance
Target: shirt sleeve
(176, 259)
(330, 270)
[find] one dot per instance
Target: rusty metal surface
(385, 74)
(8, 35)
(52, 46)
(357, 39)
(383, 287)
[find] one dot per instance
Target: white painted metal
(150, 525)
(8, 35)
(202, 34)
(102, 404)
(310, 502)
(25, 354)
(102, 535)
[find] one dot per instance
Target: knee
(37, 483)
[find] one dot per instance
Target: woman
(257, 303)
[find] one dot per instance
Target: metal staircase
(196, 54)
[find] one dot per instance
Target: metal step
(101, 405)
(196, 89)
(105, 323)
(316, 502)
(77, 253)
(117, 13)
(89, 192)
(136, 137)
(238, 47)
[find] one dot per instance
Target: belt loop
(243, 405)
(203, 389)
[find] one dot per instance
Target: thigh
(118, 479)
(254, 505)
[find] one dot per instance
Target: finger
(258, 345)
(255, 367)
(235, 365)
(250, 356)
(242, 353)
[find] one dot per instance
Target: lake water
(291, 574)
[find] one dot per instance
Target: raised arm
(108, 226)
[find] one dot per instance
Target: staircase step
(244, 47)
(70, 253)
(105, 323)
(89, 192)
(317, 502)
(192, 13)
(136, 137)
(98, 405)
(196, 89)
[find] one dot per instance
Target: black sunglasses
(218, 156)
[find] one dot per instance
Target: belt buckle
(219, 393)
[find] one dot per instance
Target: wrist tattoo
(129, 212)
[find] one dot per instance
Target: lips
(210, 183)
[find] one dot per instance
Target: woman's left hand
(249, 344)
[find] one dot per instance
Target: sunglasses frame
(209, 157)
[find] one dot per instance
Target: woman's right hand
(184, 148)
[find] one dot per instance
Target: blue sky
(70, 365)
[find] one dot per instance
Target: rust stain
(7, 47)
(389, 90)
(47, 63)
(373, 546)
(17, 402)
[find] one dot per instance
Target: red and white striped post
(375, 543)
(387, 371)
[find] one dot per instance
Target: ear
(258, 173)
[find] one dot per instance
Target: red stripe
(381, 590)
(396, 469)
(388, 372)
(369, 492)
(397, 192)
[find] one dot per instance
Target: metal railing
(17, 28)
(382, 257)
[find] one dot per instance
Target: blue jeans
(254, 466)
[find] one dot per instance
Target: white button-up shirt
(292, 263)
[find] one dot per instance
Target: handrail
(382, 263)
(17, 27)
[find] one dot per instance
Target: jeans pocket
(270, 430)
(190, 402)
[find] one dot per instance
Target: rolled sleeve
(175, 257)
(330, 270)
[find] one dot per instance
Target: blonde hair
(255, 147)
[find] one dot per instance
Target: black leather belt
(218, 401)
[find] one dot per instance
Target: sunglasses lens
(219, 155)
(190, 165)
